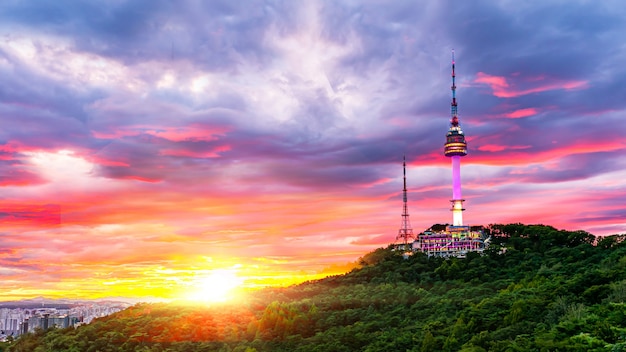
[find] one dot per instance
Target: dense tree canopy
(536, 288)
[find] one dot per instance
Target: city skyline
(150, 146)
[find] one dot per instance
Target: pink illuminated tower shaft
(456, 177)
(455, 148)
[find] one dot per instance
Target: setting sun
(218, 286)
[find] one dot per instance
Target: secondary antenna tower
(405, 234)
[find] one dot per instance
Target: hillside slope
(535, 289)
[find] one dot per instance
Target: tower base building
(454, 241)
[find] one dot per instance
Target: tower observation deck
(455, 148)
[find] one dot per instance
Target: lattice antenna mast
(405, 234)
(454, 121)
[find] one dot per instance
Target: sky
(148, 145)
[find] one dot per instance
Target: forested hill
(535, 289)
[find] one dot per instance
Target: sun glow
(218, 286)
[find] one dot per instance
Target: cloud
(143, 138)
(502, 89)
(19, 215)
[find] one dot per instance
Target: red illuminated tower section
(405, 234)
(455, 148)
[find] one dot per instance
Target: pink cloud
(29, 215)
(194, 132)
(382, 181)
(496, 82)
(499, 148)
(118, 133)
(503, 89)
(214, 153)
(516, 155)
(17, 177)
(107, 162)
(374, 239)
(13, 147)
(521, 113)
(141, 178)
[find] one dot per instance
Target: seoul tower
(455, 148)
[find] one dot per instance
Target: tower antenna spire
(405, 234)
(454, 121)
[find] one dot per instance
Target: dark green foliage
(4, 346)
(535, 289)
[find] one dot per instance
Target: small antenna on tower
(454, 121)
(406, 232)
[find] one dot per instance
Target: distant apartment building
(15, 321)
